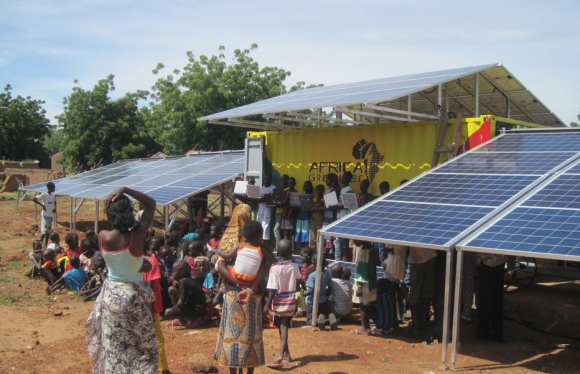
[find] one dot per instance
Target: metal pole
(36, 215)
(96, 215)
(408, 105)
(456, 318)
(446, 306)
(166, 216)
(72, 214)
(439, 99)
(476, 94)
(316, 296)
(446, 99)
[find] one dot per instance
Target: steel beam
(398, 111)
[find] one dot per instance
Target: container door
(254, 165)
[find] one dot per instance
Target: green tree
(208, 85)
(98, 130)
(23, 127)
(54, 141)
(575, 124)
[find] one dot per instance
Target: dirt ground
(45, 334)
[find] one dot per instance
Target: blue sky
(45, 45)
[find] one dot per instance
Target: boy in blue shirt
(73, 279)
(325, 289)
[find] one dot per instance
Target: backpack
(382, 311)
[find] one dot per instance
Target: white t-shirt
(343, 212)
(48, 202)
(396, 263)
(262, 207)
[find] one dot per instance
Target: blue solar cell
(483, 190)
(562, 192)
(527, 163)
(409, 222)
(558, 233)
(548, 142)
(166, 195)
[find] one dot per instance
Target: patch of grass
(7, 278)
(8, 297)
(9, 265)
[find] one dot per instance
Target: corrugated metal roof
(497, 87)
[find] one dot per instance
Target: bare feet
(47, 290)
(361, 332)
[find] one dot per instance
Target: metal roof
(388, 99)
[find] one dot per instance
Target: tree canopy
(208, 85)
(98, 130)
(23, 126)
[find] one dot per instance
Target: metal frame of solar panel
(443, 205)
(167, 180)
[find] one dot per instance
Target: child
(194, 249)
(202, 264)
(155, 244)
(72, 249)
(303, 220)
(48, 205)
(61, 259)
(325, 290)
(90, 234)
(248, 258)
(36, 258)
(365, 278)
(188, 300)
(364, 197)
(280, 300)
(54, 240)
(317, 217)
(216, 236)
(153, 277)
(88, 254)
(73, 280)
(49, 269)
(288, 213)
(341, 304)
(97, 277)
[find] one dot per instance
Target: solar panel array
(544, 224)
(351, 93)
(166, 180)
(443, 205)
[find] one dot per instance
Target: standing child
(303, 221)
(73, 280)
(365, 278)
(317, 215)
(153, 277)
(48, 205)
(280, 300)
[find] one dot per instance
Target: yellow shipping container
(391, 152)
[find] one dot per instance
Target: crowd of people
(236, 277)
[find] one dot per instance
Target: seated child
(61, 259)
(216, 236)
(202, 264)
(98, 274)
(155, 245)
(166, 265)
(72, 280)
(90, 234)
(36, 257)
(247, 258)
(72, 249)
(341, 296)
(188, 300)
(325, 290)
(195, 249)
(54, 240)
(50, 267)
(88, 253)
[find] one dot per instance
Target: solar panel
(562, 192)
(167, 180)
(538, 232)
(538, 142)
(463, 189)
(530, 163)
(373, 90)
(444, 205)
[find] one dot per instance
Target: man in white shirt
(48, 202)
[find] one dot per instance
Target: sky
(46, 45)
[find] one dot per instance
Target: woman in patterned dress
(120, 331)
